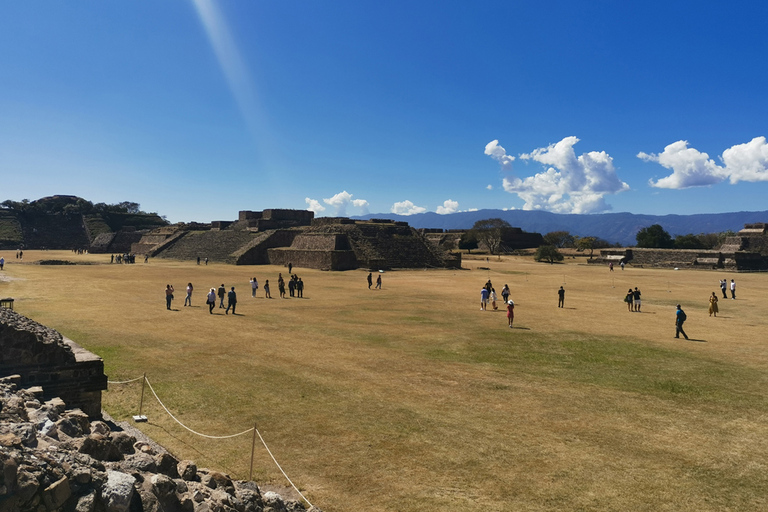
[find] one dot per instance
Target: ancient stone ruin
(747, 250)
(278, 237)
(44, 358)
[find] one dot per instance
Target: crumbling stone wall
(54, 459)
(43, 357)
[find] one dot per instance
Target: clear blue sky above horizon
(199, 109)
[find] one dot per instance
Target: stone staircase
(214, 245)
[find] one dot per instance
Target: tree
(586, 243)
(489, 232)
(654, 237)
(468, 241)
(559, 239)
(129, 207)
(548, 253)
(689, 241)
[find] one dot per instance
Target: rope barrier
(186, 427)
(124, 381)
(280, 468)
(252, 429)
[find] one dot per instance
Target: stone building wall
(43, 357)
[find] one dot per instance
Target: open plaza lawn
(410, 398)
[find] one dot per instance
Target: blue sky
(197, 110)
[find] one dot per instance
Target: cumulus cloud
(362, 204)
(314, 205)
(498, 153)
(747, 162)
(406, 208)
(342, 200)
(570, 183)
(692, 168)
(489, 187)
(449, 206)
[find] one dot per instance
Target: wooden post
(253, 449)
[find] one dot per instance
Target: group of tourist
(488, 294)
(126, 258)
(370, 281)
(632, 298)
(295, 287)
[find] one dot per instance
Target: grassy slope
(410, 398)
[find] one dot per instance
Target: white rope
(281, 469)
(124, 381)
(230, 436)
(186, 427)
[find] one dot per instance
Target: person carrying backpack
(680, 318)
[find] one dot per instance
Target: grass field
(412, 399)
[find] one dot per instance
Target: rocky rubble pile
(54, 459)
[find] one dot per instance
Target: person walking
(561, 297)
(290, 268)
(291, 287)
(636, 300)
(493, 299)
(231, 301)
(505, 293)
(510, 313)
(211, 300)
(378, 282)
(370, 280)
(254, 287)
(621, 263)
(2, 262)
(222, 291)
(188, 298)
(680, 318)
(629, 298)
(266, 290)
(723, 287)
(733, 289)
(610, 266)
(483, 298)
(168, 296)
(300, 288)
(713, 309)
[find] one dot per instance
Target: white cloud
(343, 199)
(362, 204)
(692, 168)
(489, 187)
(570, 184)
(495, 151)
(449, 206)
(314, 205)
(747, 162)
(406, 208)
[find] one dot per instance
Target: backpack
(682, 316)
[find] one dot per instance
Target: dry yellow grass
(412, 399)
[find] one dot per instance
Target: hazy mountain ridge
(613, 227)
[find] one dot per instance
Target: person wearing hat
(510, 312)
(680, 318)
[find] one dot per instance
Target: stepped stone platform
(279, 237)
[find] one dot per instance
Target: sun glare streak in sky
(234, 68)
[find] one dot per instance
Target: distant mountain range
(614, 227)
